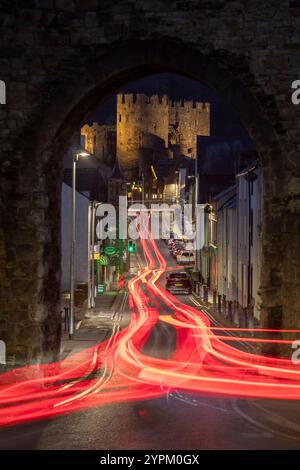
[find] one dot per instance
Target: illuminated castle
(147, 129)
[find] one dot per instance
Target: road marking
(260, 425)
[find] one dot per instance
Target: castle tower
(100, 140)
(187, 120)
(142, 123)
(148, 129)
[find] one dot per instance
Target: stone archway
(65, 101)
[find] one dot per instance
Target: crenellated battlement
(190, 104)
(131, 99)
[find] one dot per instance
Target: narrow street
(175, 419)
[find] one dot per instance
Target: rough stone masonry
(60, 58)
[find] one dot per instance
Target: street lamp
(77, 154)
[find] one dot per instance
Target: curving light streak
(117, 370)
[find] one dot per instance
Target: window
(120, 117)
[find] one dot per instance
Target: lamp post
(89, 255)
(78, 153)
(250, 177)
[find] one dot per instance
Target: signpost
(102, 260)
(100, 289)
(110, 250)
(114, 260)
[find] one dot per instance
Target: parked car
(185, 257)
(172, 246)
(178, 283)
(177, 248)
(176, 244)
(171, 243)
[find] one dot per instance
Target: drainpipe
(250, 178)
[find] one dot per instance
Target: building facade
(81, 253)
(230, 259)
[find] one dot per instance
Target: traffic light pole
(93, 255)
(89, 254)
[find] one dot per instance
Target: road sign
(100, 289)
(103, 260)
(114, 260)
(110, 250)
(95, 257)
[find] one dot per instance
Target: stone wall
(142, 122)
(61, 58)
(190, 120)
(100, 140)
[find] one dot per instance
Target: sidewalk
(95, 325)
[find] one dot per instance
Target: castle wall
(190, 119)
(142, 122)
(100, 140)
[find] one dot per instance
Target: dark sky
(224, 120)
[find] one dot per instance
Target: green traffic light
(131, 247)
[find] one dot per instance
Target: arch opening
(71, 107)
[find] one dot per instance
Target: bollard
(245, 314)
(230, 316)
(66, 309)
(250, 316)
(205, 294)
(214, 300)
(219, 304)
(202, 292)
(241, 317)
(235, 313)
(224, 305)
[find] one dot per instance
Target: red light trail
(118, 371)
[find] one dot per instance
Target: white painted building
(249, 198)
(81, 252)
(235, 265)
(224, 259)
